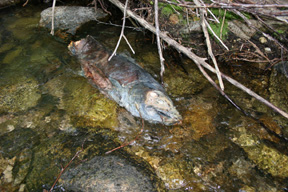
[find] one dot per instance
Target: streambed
(48, 112)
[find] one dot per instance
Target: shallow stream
(49, 112)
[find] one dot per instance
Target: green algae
(6, 47)
(12, 55)
(180, 84)
(23, 27)
(265, 157)
(19, 96)
(85, 105)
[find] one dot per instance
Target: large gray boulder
(69, 18)
(107, 173)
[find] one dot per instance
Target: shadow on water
(48, 112)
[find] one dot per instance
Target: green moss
(19, 96)
(168, 9)
(12, 55)
(86, 106)
(216, 27)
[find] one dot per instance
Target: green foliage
(280, 31)
(219, 13)
(168, 9)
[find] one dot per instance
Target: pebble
(263, 40)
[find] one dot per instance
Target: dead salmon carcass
(125, 82)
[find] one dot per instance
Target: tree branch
(195, 58)
(158, 41)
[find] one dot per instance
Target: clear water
(48, 112)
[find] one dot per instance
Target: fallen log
(197, 60)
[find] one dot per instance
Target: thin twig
(122, 31)
(158, 41)
(214, 34)
(63, 169)
(129, 44)
(52, 19)
(25, 3)
(204, 25)
(215, 18)
(264, 34)
(113, 24)
(222, 25)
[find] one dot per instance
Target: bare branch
(196, 59)
(204, 24)
(158, 40)
(52, 19)
(122, 31)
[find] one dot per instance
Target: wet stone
(106, 173)
(265, 157)
(191, 83)
(278, 93)
(22, 166)
(19, 96)
(22, 27)
(70, 17)
(84, 104)
(14, 142)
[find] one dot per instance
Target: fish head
(160, 106)
(78, 47)
(88, 49)
(83, 46)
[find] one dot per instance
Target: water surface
(48, 112)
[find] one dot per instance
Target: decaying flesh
(124, 81)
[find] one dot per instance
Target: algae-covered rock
(21, 28)
(265, 157)
(279, 93)
(85, 105)
(170, 172)
(180, 84)
(15, 142)
(19, 96)
(22, 166)
(9, 57)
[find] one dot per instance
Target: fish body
(124, 81)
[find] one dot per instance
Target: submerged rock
(19, 96)
(85, 105)
(24, 26)
(265, 157)
(279, 93)
(70, 17)
(106, 173)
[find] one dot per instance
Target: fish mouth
(168, 119)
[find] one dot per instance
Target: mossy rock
(180, 84)
(19, 95)
(265, 157)
(279, 94)
(17, 27)
(86, 106)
